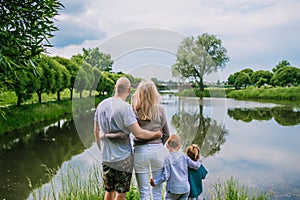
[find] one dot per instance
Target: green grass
(250, 93)
(279, 93)
(231, 190)
(208, 92)
(30, 114)
(73, 184)
(9, 98)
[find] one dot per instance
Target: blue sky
(143, 36)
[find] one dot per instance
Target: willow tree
(197, 57)
(25, 29)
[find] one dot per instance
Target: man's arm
(144, 134)
(116, 135)
(97, 133)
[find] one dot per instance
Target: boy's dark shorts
(117, 178)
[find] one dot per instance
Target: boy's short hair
(173, 141)
(193, 151)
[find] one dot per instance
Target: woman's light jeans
(149, 157)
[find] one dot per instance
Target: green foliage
(281, 64)
(32, 113)
(242, 80)
(198, 57)
(261, 77)
(280, 93)
(72, 68)
(78, 184)
(133, 193)
(26, 115)
(98, 59)
(208, 92)
(106, 84)
(283, 115)
(286, 76)
(247, 71)
(231, 190)
(25, 29)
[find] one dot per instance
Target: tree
(281, 64)
(23, 85)
(286, 76)
(24, 32)
(198, 57)
(72, 68)
(247, 71)
(261, 77)
(97, 76)
(61, 77)
(45, 77)
(243, 79)
(105, 84)
(85, 78)
(231, 79)
(98, 59)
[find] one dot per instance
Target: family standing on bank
(155, 153)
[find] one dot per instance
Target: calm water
(256, 143)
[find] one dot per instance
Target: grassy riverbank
(279, 93)
(75, 184)
(33, 113)
(250, 93)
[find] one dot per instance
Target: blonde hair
(174, 141)
(145, 100)
(193, 151)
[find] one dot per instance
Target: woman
(149, 154)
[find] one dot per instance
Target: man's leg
(121, 196)
(108, 182)
(109, 195)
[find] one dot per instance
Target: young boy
(195, 176)
(175, 171)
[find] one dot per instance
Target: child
(175, 171)
(195, 176)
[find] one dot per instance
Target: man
(116, 115)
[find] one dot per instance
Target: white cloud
(256, 33)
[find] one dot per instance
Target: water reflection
(50, 146)
(263, 152)
(285, 116)
(194, 128)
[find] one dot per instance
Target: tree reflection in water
(194, 128)
(283, 115)
(49, 146)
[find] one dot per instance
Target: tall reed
(231, 190)
(86, 184)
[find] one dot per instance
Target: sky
(143, 36)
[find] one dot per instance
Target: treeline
(90, 71)
(283, 74)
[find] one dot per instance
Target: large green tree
(286, 76)
(73, 69)
(45, 77)
(197, 57)
(98, 59)
(26, 26)
(281, 64)
(261, 77)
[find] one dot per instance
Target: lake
(258, 144)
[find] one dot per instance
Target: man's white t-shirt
(115, 115)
